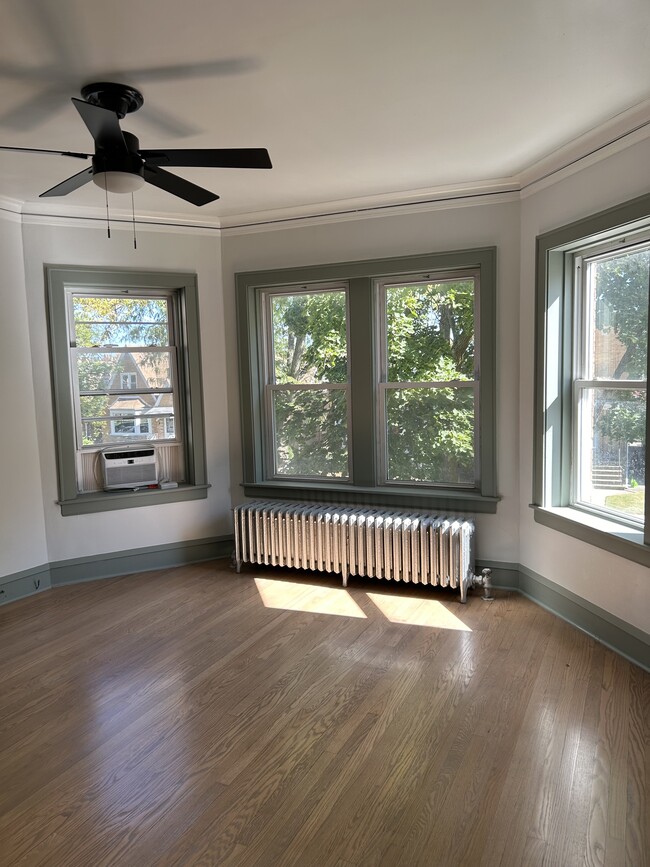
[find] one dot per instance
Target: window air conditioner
(129, 468)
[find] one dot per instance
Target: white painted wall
(162, 250)
(452, 228)
(22, 528)
(613, 583)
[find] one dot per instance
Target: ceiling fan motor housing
(119, 98)
(116, 160)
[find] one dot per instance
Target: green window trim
(553, 422)
(364, 487)
(58, 281)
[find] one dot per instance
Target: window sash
(98, 351)
(271, 387)
(382, 284)
(383, 389)
(583, 358)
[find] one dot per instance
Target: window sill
(609, 535)
(417, 498)
(108, 501)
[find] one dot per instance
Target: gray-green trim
(616, 543)
(622, 637)
(417, 498)
(57, 279)
(630, 642)
(554, 279)
(363, 408)
(106, 501)
(118, 563)
(24, 583)
(359, 276)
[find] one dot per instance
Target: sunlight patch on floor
(416, 612)
(306, 597)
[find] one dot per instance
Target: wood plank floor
(193, 716)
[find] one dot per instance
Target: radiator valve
(483, 580)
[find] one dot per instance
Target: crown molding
(615, 135)
(10, 210)
(55, 214)
(343, 210)
(120, 220)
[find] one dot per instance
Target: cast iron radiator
(415, 547)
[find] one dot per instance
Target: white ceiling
(352, 98)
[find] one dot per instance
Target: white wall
(615, 584)
(163, 250)
(456, 228)
(22, 528)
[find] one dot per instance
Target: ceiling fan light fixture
(118, 182)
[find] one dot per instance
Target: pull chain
(108, 217)
(135, 243)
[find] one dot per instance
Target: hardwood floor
(193, 716)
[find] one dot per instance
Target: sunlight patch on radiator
(307, 597)
(416, 612)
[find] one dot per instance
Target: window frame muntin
(383, 384)
(550, 488)
(360, 275)
(270, 386)
(56, 278)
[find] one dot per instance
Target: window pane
(107, 321)
(430, 435)
(618, 289)
(309, 337)
(124, 429)
(111, 371)
(102, 405)
(612, 453)
(311, 437)
(430, 331)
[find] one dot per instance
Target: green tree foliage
(621, 286)
(309, 337)
(430, 338)
(309, 348)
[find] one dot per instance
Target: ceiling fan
(120, 166)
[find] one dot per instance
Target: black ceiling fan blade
(211, 158)
(178, 71)
(178, 186)
(70, 184)
(104, 125)
(43, 151)
(35, 110)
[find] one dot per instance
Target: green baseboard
(95, 567)
(25, 583)
(622, 637)
(139, 560)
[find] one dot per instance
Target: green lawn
(631, 502)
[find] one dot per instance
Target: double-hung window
(591, 390)
(371, 380)
(125, 358)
